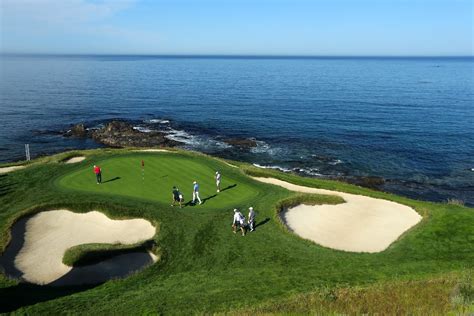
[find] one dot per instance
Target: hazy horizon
(185, 55)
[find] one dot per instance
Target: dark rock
(78, 130)
(368, 182)
(122, 134)
(241, 142)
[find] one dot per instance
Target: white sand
(10, 169)
(361, 224)
(75, 159)
(49, 234)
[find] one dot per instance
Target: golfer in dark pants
(177, 197)
(98, 174)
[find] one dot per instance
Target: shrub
(455, 202)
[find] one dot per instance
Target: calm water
(407, 120)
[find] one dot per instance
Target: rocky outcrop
(122, 134)
(244, 143)
(78, 130)
(368, 182)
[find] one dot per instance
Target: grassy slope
(436, 296)
(204, 267)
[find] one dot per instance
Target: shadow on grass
(7, 259)
(191, 203)
(266, 220)
(113, 179)
(208, 198)
(5, 188)
(229, 187)
(25, 294)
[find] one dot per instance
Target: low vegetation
(456, 202)
(450, 294)
(85, 254)
(205, 268)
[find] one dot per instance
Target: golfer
(251, 219)
(98, 174)
(239, 221)
(196, 192)
(177, 197)
(218, 181)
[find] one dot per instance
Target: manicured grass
(123, 176)
(204, 267)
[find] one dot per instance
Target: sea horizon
(235, 56)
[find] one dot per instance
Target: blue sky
(260, 27)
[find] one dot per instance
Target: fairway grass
(204, 267)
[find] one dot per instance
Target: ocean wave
(335, 162)
(142, 129)
(265, 148)
(328, 160)
(200, 142)
(311, 171)
(272, 167)
(307, 171)
(157, 121)
(95, 127)
(181, 136)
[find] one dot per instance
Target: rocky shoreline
(120, 134)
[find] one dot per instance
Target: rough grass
(450, 294)
(204, 267)
(455, 202)
(308, 199)
(92, 253)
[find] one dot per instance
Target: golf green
(125, 176)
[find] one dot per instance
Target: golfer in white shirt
(239, 221)
(251, 220)
(218, 181)
(196, 192)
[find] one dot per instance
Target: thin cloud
(16, 12)
(49, 22)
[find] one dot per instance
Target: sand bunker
(362, 224)
(39, 243)
(75, 159)
(10, 169)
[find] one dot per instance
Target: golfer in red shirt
(98, 174)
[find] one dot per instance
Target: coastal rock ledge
(122, 134)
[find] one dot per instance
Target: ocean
(409, 122)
